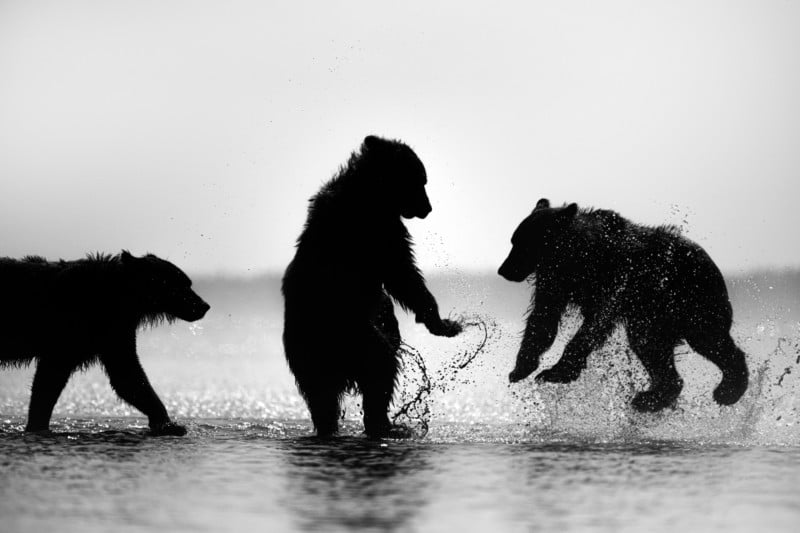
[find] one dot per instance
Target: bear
(69, 315)
(662, 287)
(353, 260)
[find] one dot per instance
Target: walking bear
(354, 253)
(69, 315)
(661, 286)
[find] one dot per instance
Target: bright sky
(197, 130)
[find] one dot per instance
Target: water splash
(415, 398)
(468, 400)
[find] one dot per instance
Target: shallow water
(247, 475)
(521, 458)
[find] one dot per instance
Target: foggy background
(198, 130)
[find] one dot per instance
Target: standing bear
(662, 287)
(354, 253)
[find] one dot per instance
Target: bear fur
(661, 286)
(352, 258)
(68, 315)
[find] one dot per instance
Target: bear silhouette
(661, 286)
(353, 257)
(69, 315)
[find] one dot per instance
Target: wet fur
(70, 315)
(662, 287)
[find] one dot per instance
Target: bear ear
(371, 141)
(542, 204)
(569, 212)
(126, 257)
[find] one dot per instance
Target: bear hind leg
(720, 349)
(658, 358)
(376, 380)
(324, 405)
(376, 401)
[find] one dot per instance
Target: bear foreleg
(540, 332)
(48, 382)
(129, 381)
(589, 337)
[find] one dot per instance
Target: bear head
(534, 237)
(161, 289)
(400, 176)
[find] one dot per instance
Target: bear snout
(194, 309)
(513, 269)
(203, 308)
(422, 207)
(502, 271)
(426, 207)
(509, 273)
(421, 210)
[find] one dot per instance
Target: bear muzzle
(511, 273)
(193, 310)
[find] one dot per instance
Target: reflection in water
(355, 483)
(249, 477)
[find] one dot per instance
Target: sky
(198, 130)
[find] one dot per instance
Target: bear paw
(522, 370)
(559, 374)
(38, 431)
(730, 389)
(168, 428)
(652, 401)
(445, 328)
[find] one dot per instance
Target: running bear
(68, 315)
(354, 256)
(661, 286)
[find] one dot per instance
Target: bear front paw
(445, 328)
(522, 370)
(652, 401)
(559, 374)
(168, 428)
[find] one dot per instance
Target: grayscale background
(198, 130)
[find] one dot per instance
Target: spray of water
(461, 397)
(415, 399)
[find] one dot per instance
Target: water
(493, 457)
